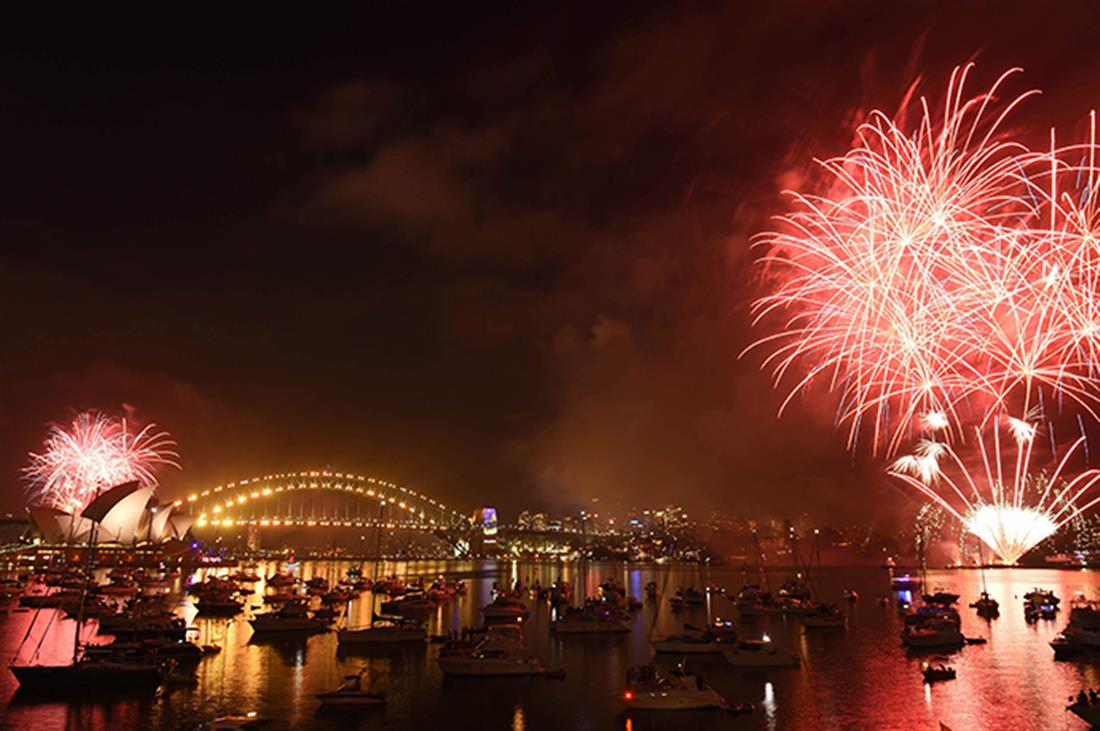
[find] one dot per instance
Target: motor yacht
(751, 601)
(501, 653)
(590, 620)
(706, 643)
(941, 597)
(384, 631)
(1084, 623)
(722, 628)
(279, 580)
(825, 617)
(505, 607)
(219, 604)
(760, 653)
(291, 617)
(409, 604)
(648, 689)
(1065, 648)
(934, 634)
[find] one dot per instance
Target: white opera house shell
(126, 514)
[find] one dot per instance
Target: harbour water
(855, 678)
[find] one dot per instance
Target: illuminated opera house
(124, 515)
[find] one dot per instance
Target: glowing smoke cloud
(94, 453)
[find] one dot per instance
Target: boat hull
(674, 700)
(63, 679)
(347, 700)
(589, 628)
(686, 648)
(380, 636)
(287, 626)
(761, 660)
(467, 666)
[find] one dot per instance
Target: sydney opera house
(125, 515)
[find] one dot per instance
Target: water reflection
(860, 677)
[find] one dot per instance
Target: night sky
(500, 257)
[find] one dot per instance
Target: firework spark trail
(926, 280)
(1011, 519)
(95, 452)
(945, 276)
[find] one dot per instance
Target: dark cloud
(505, 259)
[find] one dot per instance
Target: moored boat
(824, 618)
(383, 631)
(692, 644)
(935, 634)
(594, 619)
(936, 671)
(89, 674)
(760, 653)
(1084, 624)
(352, 693)
(292, 617)
(505, 607)
(986, 606)
(649, 689)
(501, 653)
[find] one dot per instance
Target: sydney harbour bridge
(323, 499)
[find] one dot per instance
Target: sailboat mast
(981, 568)
(377, 557)
(760, 562)
(89, 564)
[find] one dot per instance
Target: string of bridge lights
(213, 505)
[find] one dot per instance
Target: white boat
(760, 653)
(933, 634)
(505, 607)
(351, 693)
(650, 690)
(501, 653)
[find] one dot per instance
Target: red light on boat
(628, 696)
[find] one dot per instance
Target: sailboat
(382, 629)
(987, 606)
(91, 671)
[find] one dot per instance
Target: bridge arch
(296, 499)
